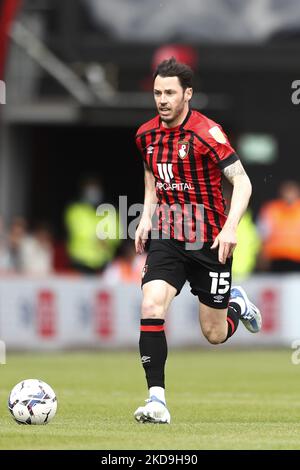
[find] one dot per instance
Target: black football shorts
(209, 279)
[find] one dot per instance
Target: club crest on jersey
(150, 149)
(183, 149)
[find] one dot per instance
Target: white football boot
(155, 411)
(250, 314)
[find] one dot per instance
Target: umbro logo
(218, 298)
(145, 359)
(150, 149)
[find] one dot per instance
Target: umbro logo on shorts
(145, 359)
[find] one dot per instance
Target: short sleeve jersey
(187, 163)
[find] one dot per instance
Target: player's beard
(173, 115)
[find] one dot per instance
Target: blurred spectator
(61, 261)
(279, 227)
(87, 252)
(16, 236)
(127, 267)
(248, 245)
(36, 251)
(248, 240)
(4, 251)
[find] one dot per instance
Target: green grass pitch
(218, 399)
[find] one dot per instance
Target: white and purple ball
(32, 401)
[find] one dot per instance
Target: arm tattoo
(231, 171)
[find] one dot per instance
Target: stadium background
(78, 84)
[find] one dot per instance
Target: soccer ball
(32, 401)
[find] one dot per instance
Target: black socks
(233, 317)
(153, 351)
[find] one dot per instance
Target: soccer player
(185, 154)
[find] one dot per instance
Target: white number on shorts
(218, 280)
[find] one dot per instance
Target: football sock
(233, 317)
(153, 351)
(239, 302)
(158, 392)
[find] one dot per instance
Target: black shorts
(209, 279)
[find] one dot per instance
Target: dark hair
(172, 68)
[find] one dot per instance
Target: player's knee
(214, 335)
(152, 309)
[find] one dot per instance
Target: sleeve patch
(218, 134)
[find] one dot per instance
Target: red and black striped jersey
(187, 162)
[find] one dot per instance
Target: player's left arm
(226, 240)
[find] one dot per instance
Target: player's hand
(141, 235)
(226, 241)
